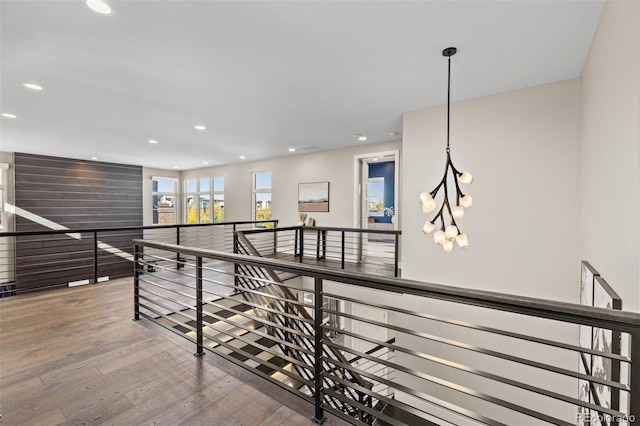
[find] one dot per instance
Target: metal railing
(353, 249)
(33, 260)
(459, 356)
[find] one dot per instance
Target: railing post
(275, 237)
(318, 375)
(95, 257)
(397, 255)
(178, 265)
(342, 249)
(199, 326)
(236, 269)
(634, 397)
(301, 243)
(318, 245)
(136, 282)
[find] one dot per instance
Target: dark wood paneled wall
(75, 194)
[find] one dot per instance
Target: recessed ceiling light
(32, 86)
(200, 127)
(292, 150)
(94, 158)
(375, 159)
(242, 157)
(175, 167)
(205, 162)
(393, 134)
(362, 138)
(100, 7)
(153, 141)
(6, 114)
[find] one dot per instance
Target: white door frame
(357, 184)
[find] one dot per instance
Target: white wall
(608, 184)
(287, 172)
(522, 148)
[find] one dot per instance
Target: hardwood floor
(74, 357)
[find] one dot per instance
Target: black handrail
(542, 308)
(128, 228)
(321, 242)
(326, 228)
(14, 287)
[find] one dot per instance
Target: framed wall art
(313, 197)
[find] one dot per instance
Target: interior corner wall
(522, 148)
(335, 166)
(609, 157)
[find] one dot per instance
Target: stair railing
(247, 281)
(459, 353)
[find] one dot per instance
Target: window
(262, 197)
(164, 200)
(199, 194)
(375, 196)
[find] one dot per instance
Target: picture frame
(313, 197)
(587, 274)
(607, 341)
(587, 279)
(596, 292)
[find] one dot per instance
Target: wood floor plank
(50, 418)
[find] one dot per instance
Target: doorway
(376, 206)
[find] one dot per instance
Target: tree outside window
(199, 194)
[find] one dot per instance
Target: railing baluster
(634, 396)
(178, 266)
(275, 237)
(342, 250)
(397, 255)
(95, 257)
(318, 348)
(301, 243)
(136, 282)
(199, 325)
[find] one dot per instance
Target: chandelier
(454, 202)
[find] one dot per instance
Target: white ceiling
(262, 76)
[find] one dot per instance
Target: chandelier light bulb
(463, 241)
(457, 212)
(447, 246)
(451, 232)
(428, 203)
(439, 237)
(428, 227)
(466, 177)
(466, 201)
